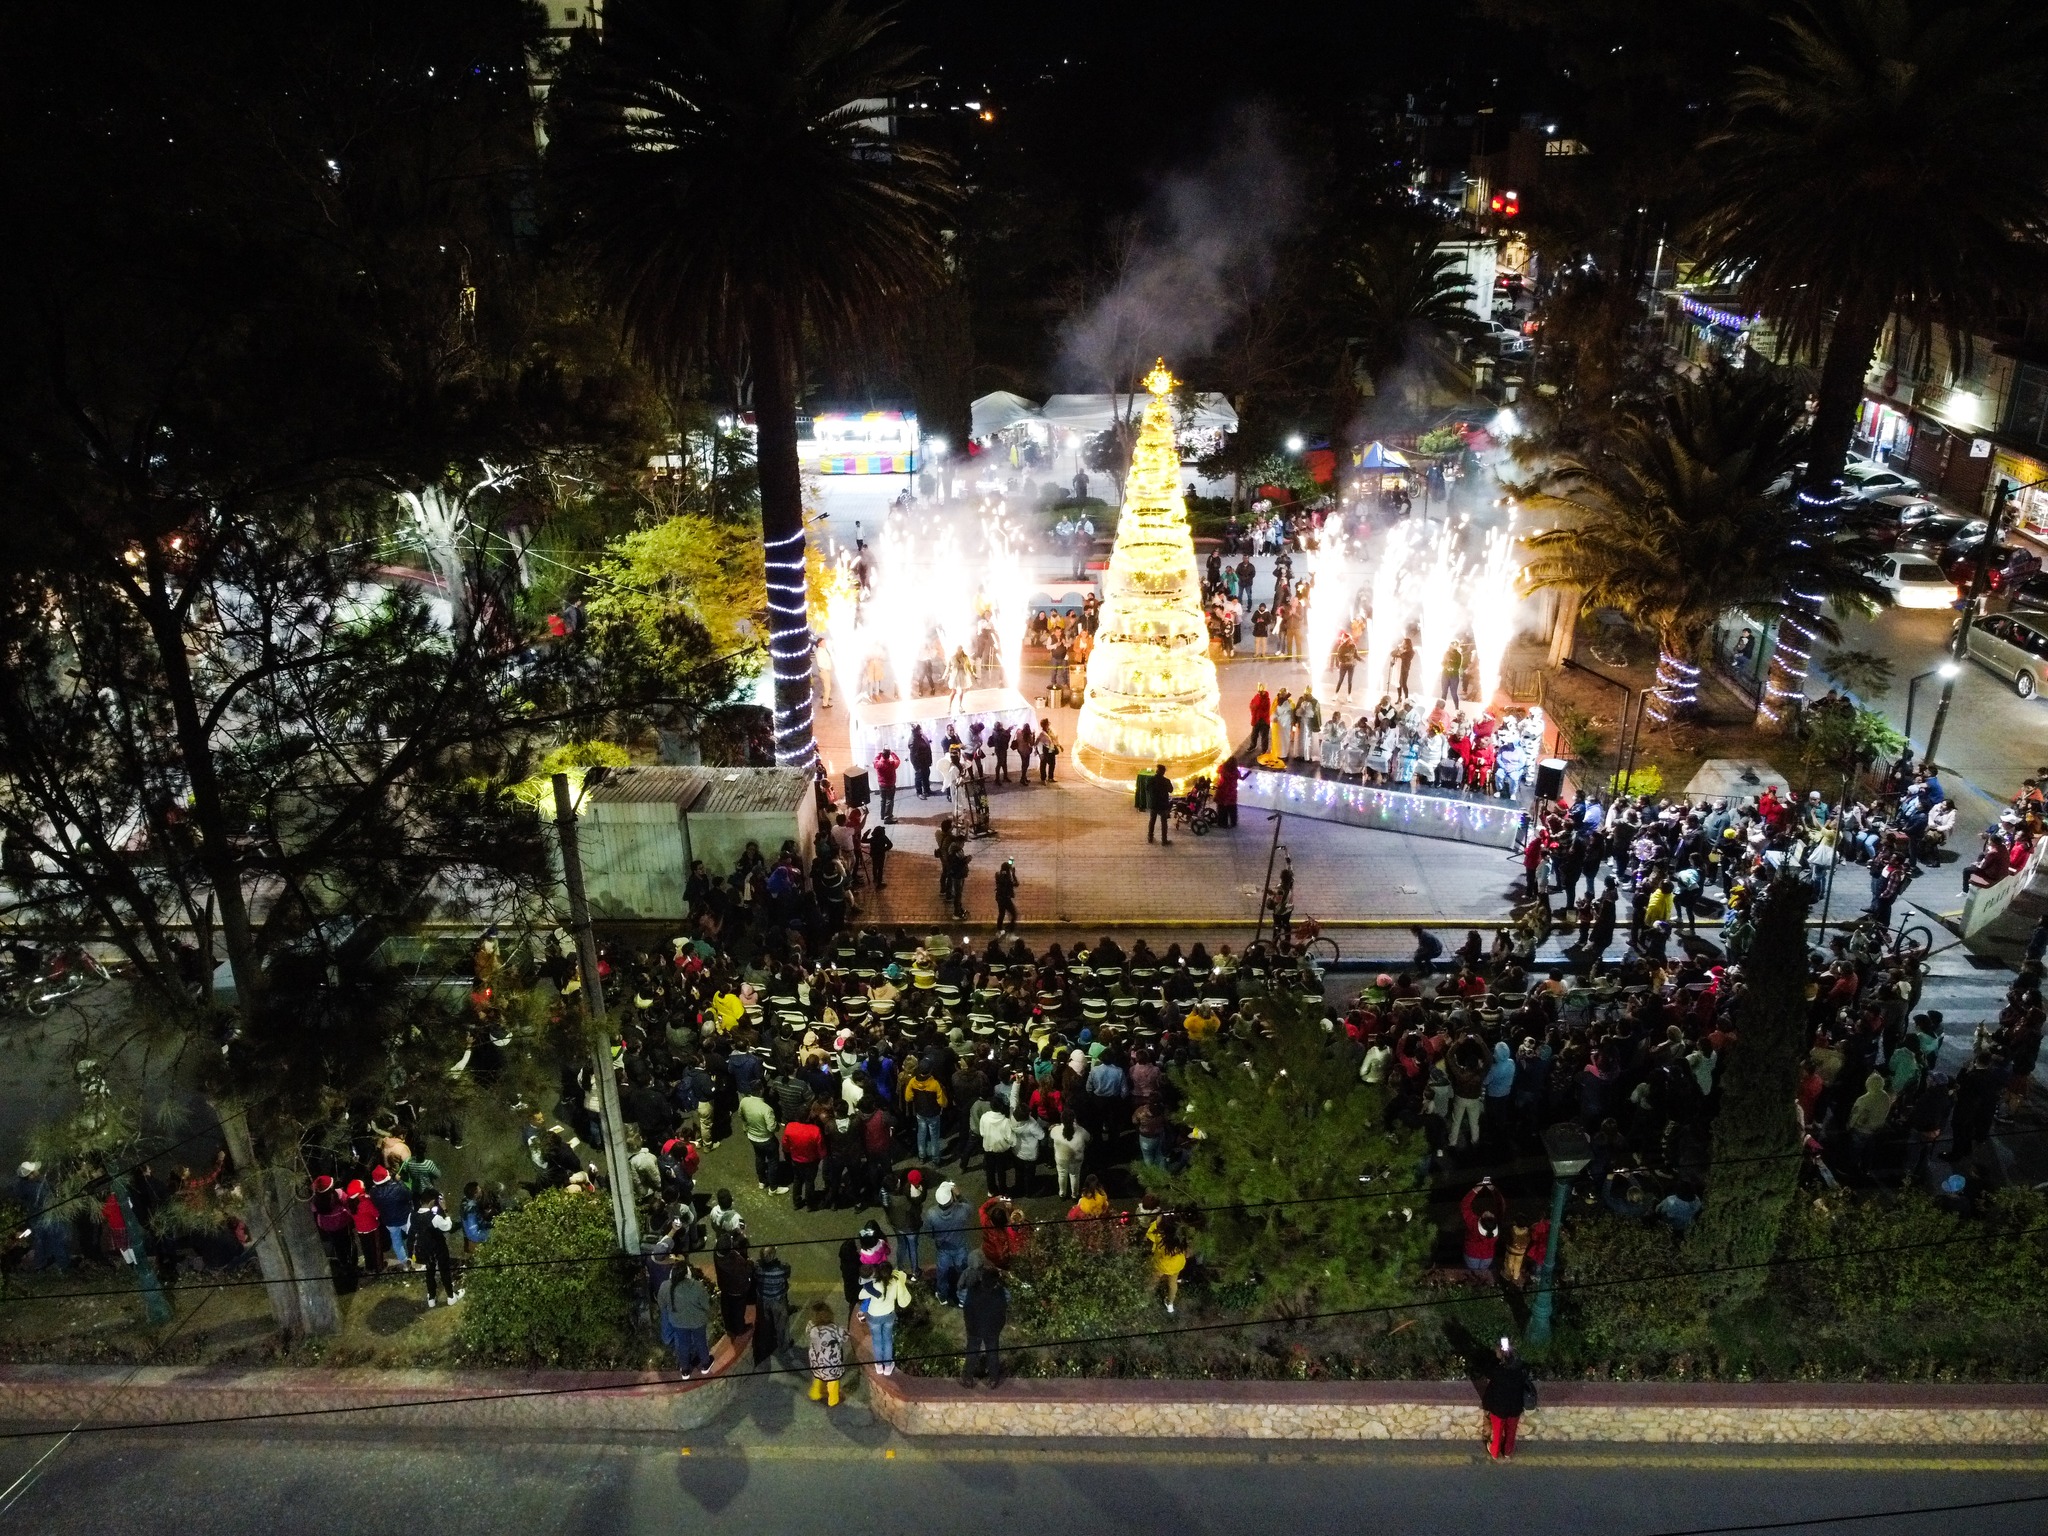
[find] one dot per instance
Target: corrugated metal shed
(749, 791)
(642, 826)
(679, 787)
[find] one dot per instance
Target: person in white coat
(1332, 745)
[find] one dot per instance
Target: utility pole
(625, 1219)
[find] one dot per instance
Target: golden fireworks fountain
(1151, 685)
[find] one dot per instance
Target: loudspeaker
(855, 781)
(1550, 778)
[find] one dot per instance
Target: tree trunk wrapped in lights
(1152, 694)
(1677, 689)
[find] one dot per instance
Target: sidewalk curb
(109, 1397)
(1586, 1412)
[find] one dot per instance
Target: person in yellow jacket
(1659, 906)
(1169, 1256)
(1201, 1023)
(925, 1097)
(727, 1010)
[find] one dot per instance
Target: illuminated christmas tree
(1151, 686)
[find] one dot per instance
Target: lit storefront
(1884, 431)
(2029, 506)
(863, 443)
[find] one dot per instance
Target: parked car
(1935, 532)
(1915, 581)
(2030, 593)
(2009, 564)
(1892, 518)
(1506, 340)
(2015, 648)
(1867, 478)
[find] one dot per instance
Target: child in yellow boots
(828, 1353)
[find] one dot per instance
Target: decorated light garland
(789, 649)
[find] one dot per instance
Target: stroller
(1195, 810)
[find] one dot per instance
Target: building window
(2028, 417)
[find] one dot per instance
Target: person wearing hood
(1867, 1117)
(1500, 1087)
(946, 1222)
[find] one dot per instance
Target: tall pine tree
(1755, 1170)
(1283, 1118)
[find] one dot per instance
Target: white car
(1868, 479)
(1915, 581)
(1508, 341)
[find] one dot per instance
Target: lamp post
(1913, 687)
(1569, 1150)
(1949, 671)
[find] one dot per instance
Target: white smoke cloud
(1186, 270)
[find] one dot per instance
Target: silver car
(2015, 648)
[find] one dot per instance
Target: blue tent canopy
(1380, 456)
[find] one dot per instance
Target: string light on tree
(1152, 695)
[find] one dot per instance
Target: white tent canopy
(1001, 411)
(1098, 413)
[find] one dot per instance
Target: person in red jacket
(1226, 792)
(803, 1148)
(336, 1225)
(886, 764)
(1262, 722)
(1482, 1227)
(369, 1230)
(1003, 1234)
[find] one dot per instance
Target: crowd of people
(872, 1078)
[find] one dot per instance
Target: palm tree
(1397, 292)
(1685, 510)
(1890, 157)
(724, 167)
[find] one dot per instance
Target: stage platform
(1490, 821)
(881, 723)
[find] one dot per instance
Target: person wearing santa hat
(909, 1218)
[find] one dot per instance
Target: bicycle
(1913, 943)
(1307, 940)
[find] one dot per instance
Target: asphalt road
(791, 1470)
(1992, 738)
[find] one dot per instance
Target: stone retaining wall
(1570, 1411)
(550, 1400)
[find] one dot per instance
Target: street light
(1295, 443)
(1569, 1151)
(1949, 671)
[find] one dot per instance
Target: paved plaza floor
(1082, 857)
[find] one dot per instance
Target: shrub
(1082, 1280)
(1576, 729)
(1908, 1257)
(531, 1302)
(1440, 440)
(1646, 780)
(1600, 1259)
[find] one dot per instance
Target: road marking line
(1338, 1455)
